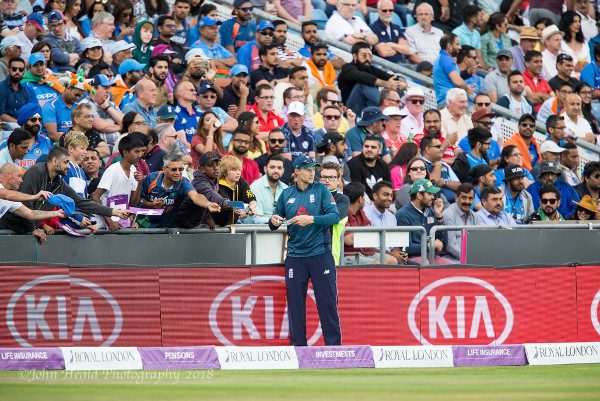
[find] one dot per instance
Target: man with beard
(549, 174)
(167, 189)
(157, 73)
(549, 204)
(267, 190)
(240, 144)
(166, 143)
(392, 45)
(479, 143)
(40, 84)
(12, 94)
(310, 35)
(167, 28)
(468, 32)
(333, 147)
(322, 74)
(492, 213)
(184, 34)
(277, 144)
(130, 72)
(370, 124)
(107, 116)
(368, 168)
(237, 96)
(47, 176)
(591, 181)
(467, 66)
(564, 69)
(239, 30)
(525, 142)
(248, 54)
(481, 176)
(9, 48)
(459, 214)
(446, 74)
(359, 80)
(209, 44)
(57, 114)
(517, 201)
(515, 99)
(30, 119)
(288, 58)
(269, 71)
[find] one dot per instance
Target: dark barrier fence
(62, 306)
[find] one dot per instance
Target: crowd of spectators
(158, 114)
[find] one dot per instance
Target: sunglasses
(483, 104)
(550, 201)
(15, 69)
(332, 117)
(487, 123)
(247, 9)
(387, 11)
(266, 33)
(174, 169)
(525, 125)
(277, 140)
(417, 101)
(418, 169)
(334, 102)
(243, 141)
(35, 119)
(209, 97)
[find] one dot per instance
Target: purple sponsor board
(489, 355)
(31, 358)
(179, 358)
(335, 357)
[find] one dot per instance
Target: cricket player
(309, 210)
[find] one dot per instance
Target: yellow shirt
(318, 122)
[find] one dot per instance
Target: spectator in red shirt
(537, 89)
(263, 108)
(240, 143)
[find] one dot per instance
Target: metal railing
(577, 226)
(382, 238)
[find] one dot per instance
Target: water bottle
(411, 135)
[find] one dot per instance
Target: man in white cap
(300, 140)
(9, 48)
(392, 132)
(121, 51)
(552, 38)
(414, 101)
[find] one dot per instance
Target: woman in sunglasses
(586, 209)
(58, 5)
(208, 138)
(415, 169)
(96, 7)
(399, 164)
(124, 27)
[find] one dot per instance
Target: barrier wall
(125, 307)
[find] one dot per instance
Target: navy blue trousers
(321, 270)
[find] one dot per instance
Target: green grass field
(573, 383)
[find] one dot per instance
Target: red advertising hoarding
(60, 306)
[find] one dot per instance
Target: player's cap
(513, 171)
(296, 108)
(101, 80)
(35, 58)
(238, 69)
(549, 166)
(504, 53)
(166, 112)
(130, 65)
(207, 21)
(209, 158)
(423, 185)
(552, 147)
(303, 161)
(264, 24)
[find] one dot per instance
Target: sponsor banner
(245, 358)
(31, 358)
(423, 356)
(179, 358)
(562, 354)
(493, 355)
(101, 358)
(588, 303)
(335, 357)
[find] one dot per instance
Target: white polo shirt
(8, 206)
(337, 27)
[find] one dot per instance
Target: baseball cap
(513, 171)
(101, 80)
(330, 138)
(482, 113)
(205, 88)
(526, 117)
(238, 69)
(504, 53)
(548, 166)
(36, 58)
(10, 41)
(130, 65)
(207, 21)
(370, 115)
(423, 185)
(238, 3)
(120, 46)
(264, 24)
(193, 53)
(424, 66)
(55, 16)
(394, 111)
(562, 57)
(64, 202)
(296, 107)
(303, 161)
(552, 147)
(37, 20)
(89, 43)
(166, 112)
(479, 171)
(209, 158)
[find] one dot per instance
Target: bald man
(147, 95)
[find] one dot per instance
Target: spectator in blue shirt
(446, 74)
(467, 65)
(209, 44)
(300, 140)
(468, 33)
(248, 54)
(12, 94)
(392, 45)
(479, 142)
(240, 29)
(492, 213)
(56, 115)
(147, 94)
(591, 72)
(371, 123)
(310, 35)
(167, 189)
(549, 173)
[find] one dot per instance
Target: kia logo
(245, 315)
(455, 315)
(594, 312)
(36, 298)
